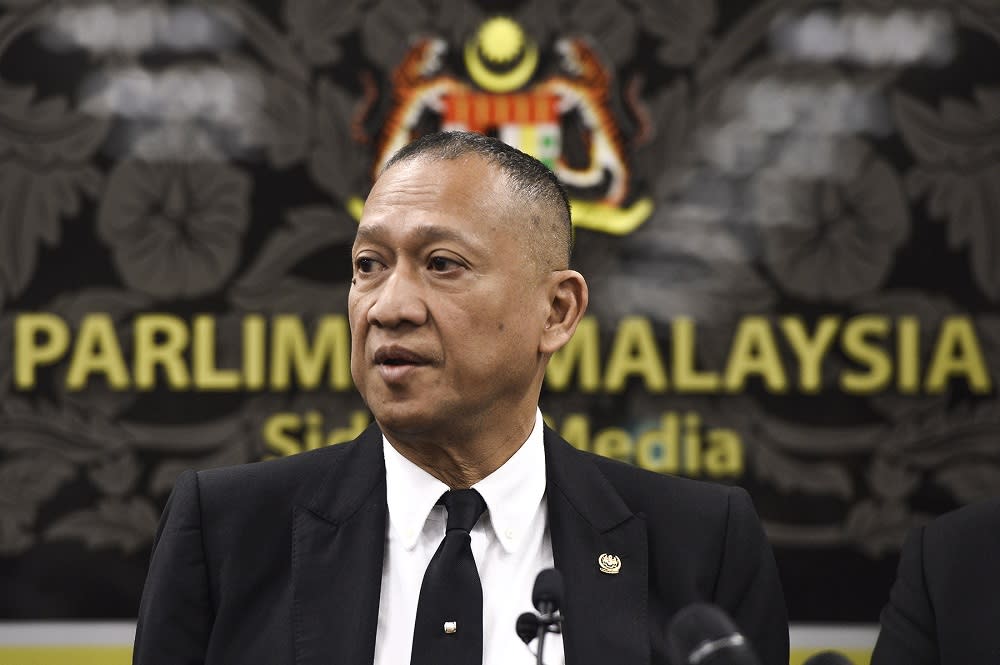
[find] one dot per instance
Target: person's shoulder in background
(944, 607)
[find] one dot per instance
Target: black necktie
(449, 625)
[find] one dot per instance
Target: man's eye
(441, 264)
(366, 264)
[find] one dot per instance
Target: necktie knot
(465, 507)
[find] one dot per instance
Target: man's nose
(399, 300)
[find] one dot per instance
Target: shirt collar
(512, 492)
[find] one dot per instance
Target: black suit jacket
(281, 562)
(944, 607)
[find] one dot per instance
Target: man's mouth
(395, 364)
(395, 356)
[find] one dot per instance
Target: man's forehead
(469, 173)
(422, 186)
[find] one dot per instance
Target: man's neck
(460, 460)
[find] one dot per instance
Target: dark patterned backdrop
(787, 212)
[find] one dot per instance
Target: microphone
(546, 596)
(527, 627)
(702, 634)
(828, 658)
(547, 593)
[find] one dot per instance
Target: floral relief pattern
(266, 285)
(959, 173)
(122, 524)
(43, 449)
(44, 149)
(175, 229)
(834, 241)
(683, 25)
(26, 481)
(315, 26)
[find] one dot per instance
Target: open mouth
(397, 357)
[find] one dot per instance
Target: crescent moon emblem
(507, 81)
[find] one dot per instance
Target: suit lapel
(605, 614)
(338, 543)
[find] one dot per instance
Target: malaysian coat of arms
(559, 114)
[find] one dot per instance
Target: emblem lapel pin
(609, 564)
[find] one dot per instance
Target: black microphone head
(828, 658)
(547, 594)
(702, 634)
(527, 627)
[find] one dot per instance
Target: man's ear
(568, 297)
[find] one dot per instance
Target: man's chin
(405, 421)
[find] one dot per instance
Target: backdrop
(786, 210)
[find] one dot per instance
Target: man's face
(447, 307)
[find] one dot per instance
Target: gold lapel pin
(609, 564)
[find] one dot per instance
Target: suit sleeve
(175, 614)
(907, 635)
(748, 586)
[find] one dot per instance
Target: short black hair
(527, 176)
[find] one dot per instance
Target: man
(462, 292)
(944, 608)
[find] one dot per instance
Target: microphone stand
(549, 622)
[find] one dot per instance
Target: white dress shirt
(510, 544)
